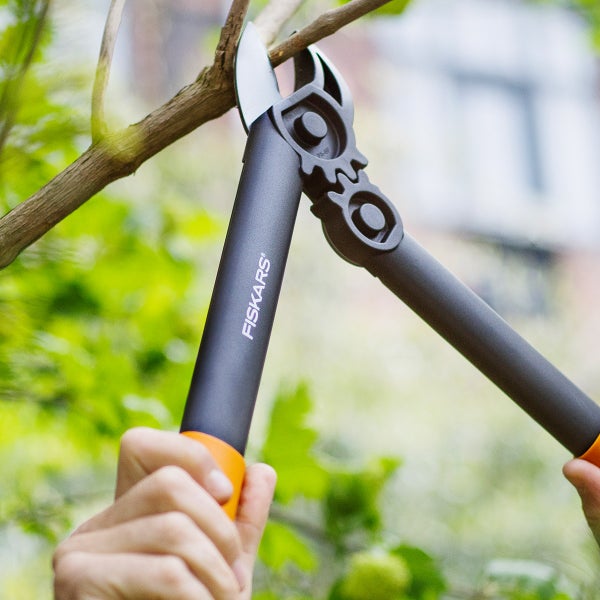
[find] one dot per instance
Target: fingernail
(219, 485)
(239, 570)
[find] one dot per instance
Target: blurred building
(499, 101)
(496, 106)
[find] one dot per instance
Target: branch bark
(120, 153)
(325, 25)
(225, 53)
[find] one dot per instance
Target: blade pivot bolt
(369, 219)
(311, 128)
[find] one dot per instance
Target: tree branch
(120, 153)
(117, 155)
(225, 53)
(107, 47)
(327, 24)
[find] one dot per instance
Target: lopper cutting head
(315, 121)
(256, 84)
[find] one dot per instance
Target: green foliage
(346, 557)
(281, 546)
(45, 462)
(19, 41)
(526, 580)
(351, 555)
(100, 319)
(86, 352)
(373, 575)
(351, 503)
(40, 131)
(427, 581)
(289, 445)
(589, 10)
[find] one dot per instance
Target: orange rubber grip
(231, 463)
(592, 454)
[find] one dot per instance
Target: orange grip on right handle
(592, 454)
(231, 463)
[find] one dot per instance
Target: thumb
(585, 477)
(253, 510)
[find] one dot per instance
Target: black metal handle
(365, 228)
(486, 340)
(236, 335)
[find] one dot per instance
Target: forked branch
(118, 154)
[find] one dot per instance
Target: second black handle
(484, 338)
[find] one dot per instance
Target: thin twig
(328, 23)
(107, 47)
(274, 16)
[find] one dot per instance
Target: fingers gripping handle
(230, 461)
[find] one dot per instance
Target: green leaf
(289, 448)
(428, 582)
(281, 546)
(264, 595)
(351, 503)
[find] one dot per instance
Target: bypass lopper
(305, 143)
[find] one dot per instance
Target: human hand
(586, 478)
(165, 535)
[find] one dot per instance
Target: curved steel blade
(256, 86)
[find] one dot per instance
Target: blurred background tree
(102, 317)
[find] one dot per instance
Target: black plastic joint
(359, 221)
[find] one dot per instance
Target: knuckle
(230, 542)
(172, 483)
(63, 550)
(228, 585)
(58, 554)
(189, 547)
(176, 528)
(172, 489)
(211, 568)
(174, 575)
(133, 440)
(69, 572)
